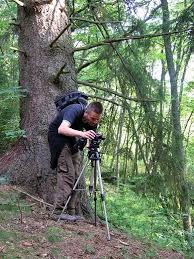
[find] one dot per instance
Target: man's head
(92, 114)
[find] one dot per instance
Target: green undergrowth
(144, 218)
(11, 205)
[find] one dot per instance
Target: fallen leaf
(43, 255)
(26, 244)
(120, 247)
(1, 248)
(123, 243)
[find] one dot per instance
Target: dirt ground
(31, 234)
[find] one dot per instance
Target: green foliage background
(9, 90)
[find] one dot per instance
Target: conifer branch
(113, 92)
(61, 71)
(78, 11)
(138, 37)
(87, 64)
(104, 99)
(92, 21)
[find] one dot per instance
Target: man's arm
(65, 129)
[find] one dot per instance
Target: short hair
(95, 107)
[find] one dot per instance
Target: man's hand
(90, 134)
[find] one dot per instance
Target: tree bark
(28, 163)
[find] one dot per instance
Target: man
(63, 131)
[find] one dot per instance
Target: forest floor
(27, 232)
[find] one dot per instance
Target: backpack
(70, 97)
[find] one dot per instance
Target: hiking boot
(66, 217)
(70, 217)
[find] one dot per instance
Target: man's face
(92, 118)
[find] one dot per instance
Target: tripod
(94, 157)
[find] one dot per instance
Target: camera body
(93, 153)
(95, 142)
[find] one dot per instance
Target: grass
(144, 218)
(11, 204)
(54, 234)
(7, 236)
(88, 235)
(89, 249)
(55, 251)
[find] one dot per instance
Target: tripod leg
(95, 196)
(73, 190)
(102, 197)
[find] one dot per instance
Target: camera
(95, 142)
(79, 145)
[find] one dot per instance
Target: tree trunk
(118, 144)
(28, 163)
(178, 163)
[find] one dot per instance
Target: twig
(18, 50)
(78, 11)
(2, 227)
(19, 2)
(56, 79)
(15, 23)
(152, 13)
(34, 198)
(123, 243)
(1, 50)
(188, 121)
(66, 27)
(1, 248)
(21, 213)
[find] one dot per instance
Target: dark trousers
(68, 170)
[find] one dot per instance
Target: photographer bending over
(63, 131)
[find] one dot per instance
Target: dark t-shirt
(74, 114)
